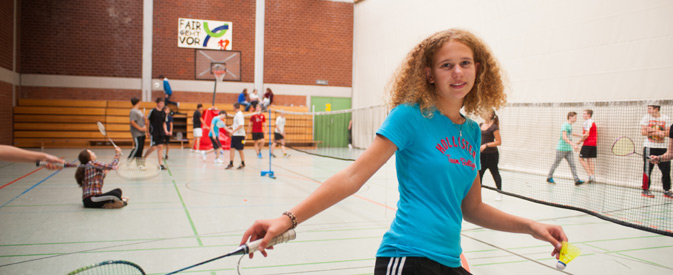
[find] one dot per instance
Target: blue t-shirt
(214, 128)
(167, 87)
(241, 98)
(435, 170)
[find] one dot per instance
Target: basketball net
(219, 74)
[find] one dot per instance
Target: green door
(331, 130)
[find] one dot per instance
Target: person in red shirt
(257, 123)
(588, 151)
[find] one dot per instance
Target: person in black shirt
(157, 130)
(198, 124)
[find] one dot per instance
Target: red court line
(21, 177)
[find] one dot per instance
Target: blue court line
(24, 192)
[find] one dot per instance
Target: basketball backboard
(204, 60)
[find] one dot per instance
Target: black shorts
(216, 143)
(237, 142)
(414, 265)
(157, 139)
(257, 136)
(167, 139)
(97, 201)
(278, 137)
(588, 152)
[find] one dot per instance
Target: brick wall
(308, 40)
(91, 38)
(6, 34)
(6, 113)
(178, 63)
(77, 93)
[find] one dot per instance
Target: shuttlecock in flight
(568, 253)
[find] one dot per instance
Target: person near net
(243, 99)
(237, 138)
(168, 92)
(216, 124)
(90, 176)
(490, 140)
(653, 127)
(666, 158)
(138, 129)
(14, 154)
(564, 149)
(588, 151)
(169, 129)
(156, 130)
(257, 121)
(198, 122)
(267, 100)
(426, 132)
(279, 135)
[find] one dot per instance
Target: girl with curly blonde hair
(437, 159)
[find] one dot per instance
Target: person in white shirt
(279, 135)
(654, 127)
(254, 99)
(237, 137)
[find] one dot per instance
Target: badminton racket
(126, 267)
(624, 146)
(138, 169)
(62, 165)
(132, 170)
(101, 128)
(248, 248)
(110, 268)
(178, 136)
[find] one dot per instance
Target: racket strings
(623, 146)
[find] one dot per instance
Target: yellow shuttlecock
(568, 253)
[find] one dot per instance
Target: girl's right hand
(118, 150)
(266, 230)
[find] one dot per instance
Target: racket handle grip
(282, 238)
(64, 165)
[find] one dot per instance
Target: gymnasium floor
(196, 210)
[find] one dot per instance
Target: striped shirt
(94, 173)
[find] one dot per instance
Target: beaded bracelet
(292, 218)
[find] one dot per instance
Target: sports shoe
(273, 155)
(286, 155)
(218, 161)
(229, 166)
(550, 180)
(203, 154)
(647, 193)
(162, 167)
(259, 155)
(579, 182)
(590, 179)
(166, 157)
(241, 166)
(668, 194)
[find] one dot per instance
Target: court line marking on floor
(31, 188)
(38, 169)
(184, 206)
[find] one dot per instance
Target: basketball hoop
(219, 74)
(219, 69)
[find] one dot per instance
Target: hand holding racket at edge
(266, 230)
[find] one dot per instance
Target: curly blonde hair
(409, 84)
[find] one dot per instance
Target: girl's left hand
(550, 233)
